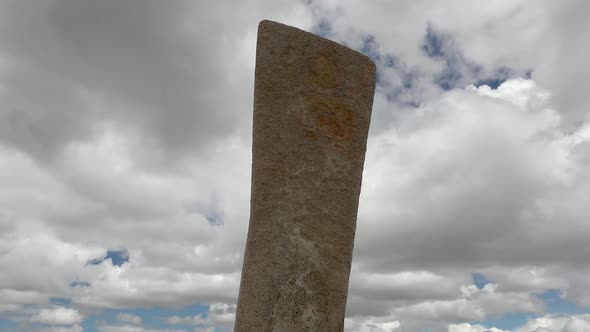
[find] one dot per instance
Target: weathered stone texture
(312, 109)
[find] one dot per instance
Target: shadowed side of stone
(312, 110)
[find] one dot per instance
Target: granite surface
(312, 110)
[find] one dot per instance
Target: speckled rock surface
(312, 109)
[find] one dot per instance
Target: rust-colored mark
(311, 135)
(336, 121)
(323, 69)
(332, 120)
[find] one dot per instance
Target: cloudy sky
(125, 150)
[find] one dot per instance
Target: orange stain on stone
(324, 72)
(333, 119)
(336, 121)
(311, 135)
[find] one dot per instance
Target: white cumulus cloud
(58, 316)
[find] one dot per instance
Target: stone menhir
(312, 109)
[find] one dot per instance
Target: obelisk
(312, 109)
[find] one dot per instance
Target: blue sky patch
(323, 28)
(459, 71)
(448, 78)
(555, 304)
(509, 321)
(371, 48)
(61, 301)
(153, 318)
(433, 43)
(215, 218)
(440, 47)
(398, 93)
(74, 284)
(493, 83)
(499, 76)
(117, 257)
(6, 324)
(479, 280)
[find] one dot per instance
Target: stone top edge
(270, 23)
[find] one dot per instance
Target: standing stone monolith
(312, 109)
